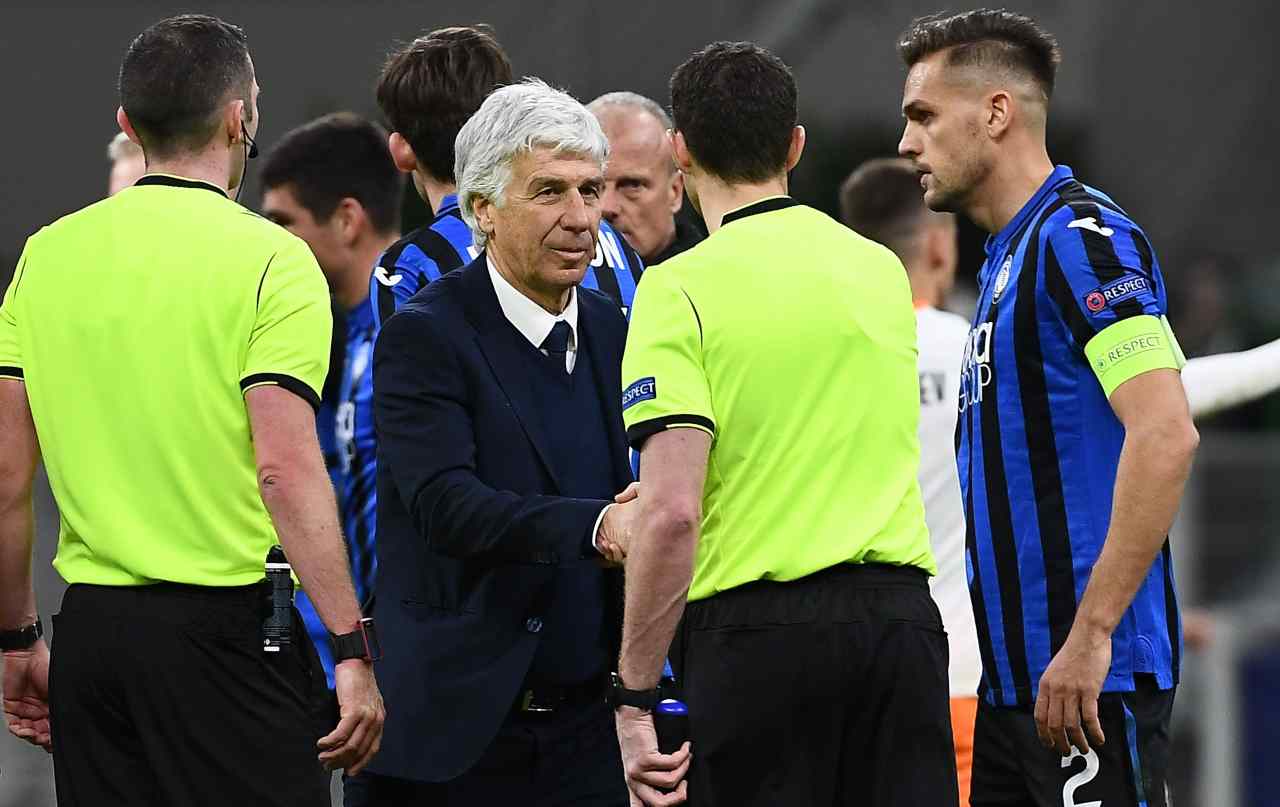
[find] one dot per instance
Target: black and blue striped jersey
(1038, 443)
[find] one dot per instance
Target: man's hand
(359, 733)
(1069, 690)
(614, 536)
(646, 768)
(26, 694)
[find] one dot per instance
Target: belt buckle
(527, 704)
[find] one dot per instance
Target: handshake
(613, 535)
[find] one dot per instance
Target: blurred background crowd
(1172, 107)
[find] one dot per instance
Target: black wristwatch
(619, 695)
(360, 643)
(21, 638)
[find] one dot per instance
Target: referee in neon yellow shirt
(771, 389)
(163, 351)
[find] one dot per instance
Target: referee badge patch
(646, 389)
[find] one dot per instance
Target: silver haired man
(500, 453)
(643, 191)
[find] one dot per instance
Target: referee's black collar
(180, 182)
(763, 206)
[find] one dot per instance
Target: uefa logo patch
(1002, 279)
(1095, 302)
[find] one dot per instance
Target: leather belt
(543, 700)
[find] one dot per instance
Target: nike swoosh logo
(1090, 223)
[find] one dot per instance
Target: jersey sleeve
(397, 277)
(290, 342)
(1109, 295)
(11, 363)
(665, 379)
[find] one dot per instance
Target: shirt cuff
(595, 531)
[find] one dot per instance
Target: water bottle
(277, 628)
(671, 722)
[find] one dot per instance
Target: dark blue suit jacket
(471, 518)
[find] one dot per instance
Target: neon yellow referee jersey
(791, 340)
(137, 323)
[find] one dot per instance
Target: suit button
(533, 624)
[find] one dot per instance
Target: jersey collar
(448, 204)
(360, 317)
(763, 206)
(180, 182)
(1059, 175)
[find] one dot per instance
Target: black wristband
(619, 695)
(21, 638)
(361, 643)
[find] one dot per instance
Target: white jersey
(941, 338)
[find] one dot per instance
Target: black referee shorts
(829, 690)
(162, 695)
(1012, 769)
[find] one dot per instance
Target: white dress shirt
(532, 320)
(535, 323)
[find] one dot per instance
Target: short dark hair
(336, 157)
(986, 38)
(882, 200)
(736, 105)
(429, 88)
(177, 75)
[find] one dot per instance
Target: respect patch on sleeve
(1132, 347)
(646, 389)
(1126, 288)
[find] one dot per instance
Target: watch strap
(21, 638)
(361, 643)
(619, 695)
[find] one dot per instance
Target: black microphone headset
(250, 152)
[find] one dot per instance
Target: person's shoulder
(942, 325)
(99, 214)
(600, 307)
(252, 234)
(423, 245)
(412, 238)
(1085, 211)
(706, 252)
(445, 298)
(430, 314)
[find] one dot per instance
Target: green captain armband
(1132, 347)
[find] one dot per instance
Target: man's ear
(402, 153)
(1000, 111)
(350, 220)
(797, 146)
(127, 127)
(677, 191)
(233, 121)
(680, 151)
(482, 209)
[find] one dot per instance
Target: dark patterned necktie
(557, 343)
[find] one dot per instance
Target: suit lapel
(508, 356)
